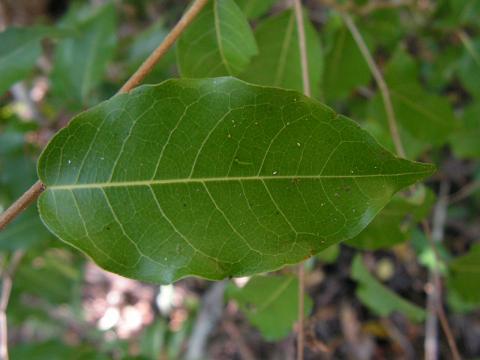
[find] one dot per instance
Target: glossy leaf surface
(219, 42)
(270, 304)
(214, 178)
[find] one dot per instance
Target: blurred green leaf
(278, 62)
(469, 68)
(55, 350)
(464, 275)
(254, 8)
(466, 141)
(329, 255)
(141, 46)
(345, 68)
(378, 298)
(424, 117)
(17, 174)
(80, 61)
(219, 42)
(19, 50)
(270, 304)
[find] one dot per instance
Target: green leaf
(55, 350)
(345, 68)
(278, 62)
(270, 304)
(424, 117)
(465, 275)
(254, 8)
(465, 142)
(80, 61)
(395, 222)
(19, 52)
(214, 178)
(378, 298)
(219, 42)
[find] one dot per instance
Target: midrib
(222, 179)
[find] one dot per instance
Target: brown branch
(34, 192)
(21, 204)
(382, 85)
(166, 44)
(302, 47)
(7, 282)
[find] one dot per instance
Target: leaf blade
(219, 142)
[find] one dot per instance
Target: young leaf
(278, 62)
(380, 299)
(214, 178)
(219, 42)
(80, 61)
(270, 304)
(464, 275)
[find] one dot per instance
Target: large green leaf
(278, 62)
(219, 42)
(80, 61)
(270, 304)
(215, 178)
(379, 298)
(465, 275)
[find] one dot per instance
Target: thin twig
(435, 294)
(7, 282)
(464, 192)
(302, 47)
(21, 204)
(166, 44)
(34, 192)
(382, 85)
